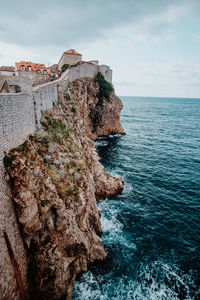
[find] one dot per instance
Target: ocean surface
(152, 230)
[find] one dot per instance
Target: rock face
(99, 119)
(55, 179)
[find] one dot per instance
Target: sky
(152, 46)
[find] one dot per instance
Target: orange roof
(72, 51)
(34, 66)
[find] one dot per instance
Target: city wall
(20, 115)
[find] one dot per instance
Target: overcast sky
(153, 46)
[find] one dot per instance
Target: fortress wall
(44, 98)
(19, 117)
(17, 121)
(107, 72)
(82, 70)
(86, 69)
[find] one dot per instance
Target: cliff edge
(56, 179)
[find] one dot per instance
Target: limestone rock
(55, 179)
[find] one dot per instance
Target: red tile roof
(34, 66)
(72, 51)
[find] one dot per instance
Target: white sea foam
(112, 227)
(154, 282)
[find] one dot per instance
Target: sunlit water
(152, 230)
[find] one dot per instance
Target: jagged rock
(56, 178)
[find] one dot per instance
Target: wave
(157, 281)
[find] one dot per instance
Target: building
(54, 71)
(70, 57)
(7, 71)
(15, 84)
(36, 72)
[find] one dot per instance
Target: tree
(105, 87)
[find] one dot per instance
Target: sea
(152, 229)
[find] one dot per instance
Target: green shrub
(8, 159)
(105, 87)
(73, 109)
(57, 130)
(64, 67)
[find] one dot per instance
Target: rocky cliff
(56, 179)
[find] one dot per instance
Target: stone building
(36, 72)
(54, 70)
(15, 84)
(7, 70)
(70, 57)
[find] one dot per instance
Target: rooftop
(72, 51)
(7, 68)
(34, 66)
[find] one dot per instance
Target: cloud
(140, 39)
(60, 22)
(161, 79)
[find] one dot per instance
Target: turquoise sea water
(152, 230)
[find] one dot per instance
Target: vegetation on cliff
(105, 88)
(64, 67)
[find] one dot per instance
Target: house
(29, 69)
(7, 70)
(70, 57)
(54, 71)
(37, 72)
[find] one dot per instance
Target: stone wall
(34, 77)
(41, 79)
(81, 70)
(17, 121)
(44, 97)
(88, 69)
(24, 83)
(19, 116)
(106, 72)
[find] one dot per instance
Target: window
(29, 68)
(17, 89)
(45, 72)
(22, 67)
(38, 71)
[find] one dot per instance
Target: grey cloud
(48, 22)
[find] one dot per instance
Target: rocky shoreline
(56, 179)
